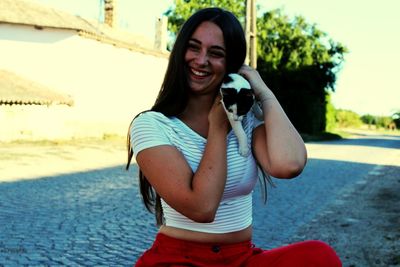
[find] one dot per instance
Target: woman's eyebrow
(213, 46)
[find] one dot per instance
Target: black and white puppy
(238, 99)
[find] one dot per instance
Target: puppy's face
(237, 95)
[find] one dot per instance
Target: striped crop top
(151, 129)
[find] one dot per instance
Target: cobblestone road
(96, 218)
(87, 219)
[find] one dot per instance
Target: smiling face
(205, 58)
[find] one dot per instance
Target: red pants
(167, 251)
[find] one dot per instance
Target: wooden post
(251, 33)
(160, 40)
(110, 13)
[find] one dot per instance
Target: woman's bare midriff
(226, 238)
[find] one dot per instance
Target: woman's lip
(199, 73)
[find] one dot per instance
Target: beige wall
(33, 122)
(108, 84)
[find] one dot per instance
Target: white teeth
(199, 73)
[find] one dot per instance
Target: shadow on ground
(97, 217)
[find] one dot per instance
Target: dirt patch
(364, 224)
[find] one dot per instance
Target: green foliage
(290, 45)
(396, 119)
(368, 119)
(296, 59)
(347, 118)
(381, 121)
(330, 114)
(183, 9)
(299, 63)
(384, 122)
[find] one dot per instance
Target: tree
(299, 63)
(183, 9)
(383, 122)
(297, 60)
(368, 119)
(347, 118)
(396, 119)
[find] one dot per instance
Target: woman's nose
(202, 58)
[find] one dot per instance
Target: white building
(110, 75)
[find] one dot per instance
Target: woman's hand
(277, 145)
(217, 117)
(261, 90)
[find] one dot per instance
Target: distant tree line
(347, 118)
(385, 122)
(298, 62)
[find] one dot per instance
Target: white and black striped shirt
(235, 211)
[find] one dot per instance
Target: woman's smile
(199, 73)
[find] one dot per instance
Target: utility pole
(160, 40)
(110, 9)
(251, 33)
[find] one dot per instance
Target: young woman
(190, 168)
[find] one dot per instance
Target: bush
(330, 114)
(379, 121)
(347, 118)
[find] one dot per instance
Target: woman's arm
(276, 144)
(195, 195)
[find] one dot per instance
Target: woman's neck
(196, 112)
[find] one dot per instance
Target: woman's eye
(217, 54)
(193, 47)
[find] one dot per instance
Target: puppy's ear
(227, 79)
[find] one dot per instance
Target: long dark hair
(173, 96)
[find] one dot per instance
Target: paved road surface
(95, 217)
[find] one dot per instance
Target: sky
(367, 82)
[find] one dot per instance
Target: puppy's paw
(244, 150)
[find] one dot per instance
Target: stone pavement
(80, 219)
(85, 211)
